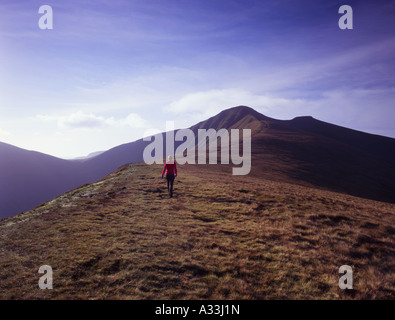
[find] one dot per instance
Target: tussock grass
(219, 237)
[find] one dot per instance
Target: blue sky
(110, 70)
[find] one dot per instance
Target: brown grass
(219, 237)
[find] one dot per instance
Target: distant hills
(91, 155)
(302, 151)
(28, 178)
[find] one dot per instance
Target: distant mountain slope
(303, 151)
(306, 150)
(91, 155)
(375, 145)
(311, 152)
(28, 178)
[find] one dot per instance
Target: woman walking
(170, 169)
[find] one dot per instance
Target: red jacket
(170, 169)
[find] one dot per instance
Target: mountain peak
(303, 118)
(235, 117)
(240, 112)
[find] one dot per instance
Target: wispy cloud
(208, 103)
(84, 120)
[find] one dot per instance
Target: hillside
(220, 237)
(301, 151)
(28, 178)
(314, 153)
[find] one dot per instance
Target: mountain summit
(233, 118)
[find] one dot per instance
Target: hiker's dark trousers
(170, 183)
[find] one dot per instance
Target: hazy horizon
(110, 70)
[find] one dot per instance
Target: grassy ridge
(220, 237)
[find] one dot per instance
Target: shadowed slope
(381, 147)
(311, 152)
(28, 178)
(314, 153)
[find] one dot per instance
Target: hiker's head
(170, 158)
